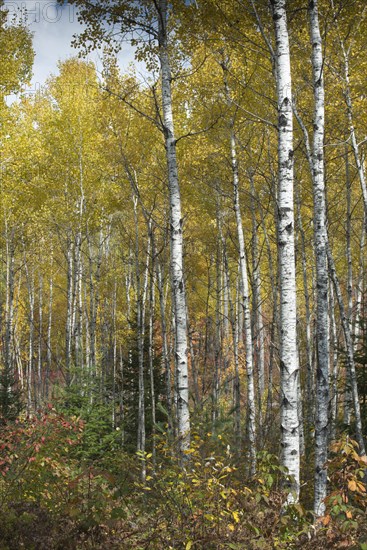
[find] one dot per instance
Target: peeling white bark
(320, 239)
(176, 237)
(288, 311)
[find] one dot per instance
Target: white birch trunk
(141, 295)
(357, 327)
(30, 365)
(69, 308)
(176, 237)
(320, 239)
(86, 311)
(9, 310)
(355, 145)
(151, 354)
(245, 303)
(309, 366)
(258, 328)
(40, 340)
(78, 327)
(334, 375)
(218, 334)
(114, 354)
(245, 298)
(165, 357)
(236, 379)
(122, 400)
(348, 230)
(49, 333)
(288, 309)
(140, 344)
(94, 279)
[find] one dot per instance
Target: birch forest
(183, 301)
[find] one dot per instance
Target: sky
(53, 27)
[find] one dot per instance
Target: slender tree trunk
(9, 315)
(114, 354)
(94, 278)
(218, 338)
(309, 365)
(300, 419)
(320, 238)
(358, 316)
(30, 365)
(237, 331)
(251, 408)
(350, 354)
(151, 357)
(18, 359)
(245, 302)
(40, 341)
(355, 145)
(194, 370)
(176, 237)
(227, 315)
(141, 295)
(78, 327)
(69, 307)
(208, 322)
(348, 230)
(274, 330)
(49, 333)
(122, 401)
(232, 317)
(286, 253)
(140, 342)
(165, 356)
(86, 311)
(335, 371)
(258, 328)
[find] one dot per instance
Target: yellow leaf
(188, 545)
(189, 451)
(352, 485)
(348, 514)
(236, 517)
(231, 527)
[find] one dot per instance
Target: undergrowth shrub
(51, 490)
(37, 466)
(207, 503)
(347, 501)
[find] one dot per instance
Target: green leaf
(118, 513)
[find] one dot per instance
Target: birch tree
(151, 19)
(245, 293)
(176, 235)
(288, 312)
(320, 239)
